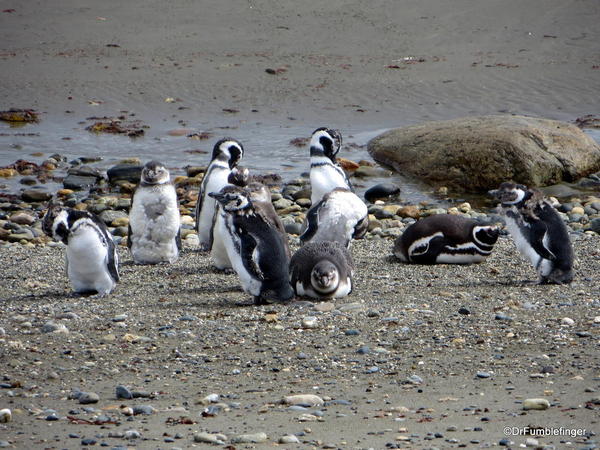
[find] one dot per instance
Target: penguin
(538, 231)
(255, 249)
(446, 239)
(260, 195)
(325, 173)
(154, 220)
(226, 155)
(91, 257)
(340, 216)
(322, 270)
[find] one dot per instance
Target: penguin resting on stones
(322, 270)
(538, 231)
(446, 239)
(255, 249)
(339, 217)
(154, 220)
(91, 257)
(325, 173)
(226, 154)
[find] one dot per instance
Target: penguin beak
(217, 196)
(494, 193)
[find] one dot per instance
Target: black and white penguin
(322, 270)
(538, 231)
(92, 261)
(255, 249)
(446, 239)
(340, 216)
(154, 219)
(325, 173)
(226, 154)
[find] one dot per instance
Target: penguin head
(259, 192)
(239, 176)
(232, 198)
(325, 141)
(325, 277)
(485, 235)
(55, 223)
(510, 193)
(229, 150)
(155, 173)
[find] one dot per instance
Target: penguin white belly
(216, 181)
(87, 260)
(324, 179)
(339, 217)
(154, 222)
(344, 288)
(218, 253)
(521, 241)
(250, 285)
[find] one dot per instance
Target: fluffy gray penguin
(91, 258)
(154, 220)
(538, 232)
(255, 249)
(446, 239)
(340, 216)
(226, 154)
(325, 173)
(322, 270)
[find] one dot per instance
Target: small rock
(53, 327)
(36, 195)
(483, 375)
(289, 439)
(464, 311)
(536, 404)
(209, 438)
(132, 434)
(253, 438)
(567, 321)
(309, 322)
(143, 409)
(86, 398)
(303, 400)
(123, 392)
(5, 415)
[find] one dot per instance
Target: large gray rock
(478, 153)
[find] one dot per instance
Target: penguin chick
(340, 216)
(538, 231)
(226, 154)
(154, 221)
(322, 270)
(325, 173)
(91, 257)
(255, 249)
(446, 239)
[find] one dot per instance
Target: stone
(124, 172)
(476, 154)
(209, 438)
(35, 195)
(88, 398)
(8, 173)
(381, 191)
(536, 404)
(108, 216)
(5, 415)
(309, 322)
(123, 392)
(289, 439)
(250, 438)
(307, 400)
(368, 171)
(22, 218)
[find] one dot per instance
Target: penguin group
(237, 223)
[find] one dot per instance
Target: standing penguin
(322, 270)
(446, 239)
(256, 250)
(325, 173)
(538, 231)
(154, 220)
(91, 259)
(226, 154)
(340, 216)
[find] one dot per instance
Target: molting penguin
(322, 270)
(538, 232)
(91, 259)
(225, 156)
(255, 249)
(325, 173)
(340, 216)
(154, 218)
(446, 239)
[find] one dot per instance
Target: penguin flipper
(247, 249)
(129, 234)
(312, 221)
(177, 240)
(361, 228)
(539, 235)
(112, 262)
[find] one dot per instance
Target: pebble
(309, 322)
(123, 392)
(5, 415)
(253, 438)
(143, 409)
(567, 321)
(303, 400)
(483, 375)
(289, 439)
(86, 398)
(53, 327)
(536, 404)
(464, 311)
(132, 434)
(209, 438)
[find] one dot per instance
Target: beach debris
(300, 141)
(276, 71)
(116, 125)
(200, 136)
(14, 115)
(588, 121)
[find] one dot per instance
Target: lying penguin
(446, 239)
(154, 219)
(325, 173)
(91, 259)
(340, 216)
(322, 270)
(538, 232)
(226, 154)
(255, 249)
